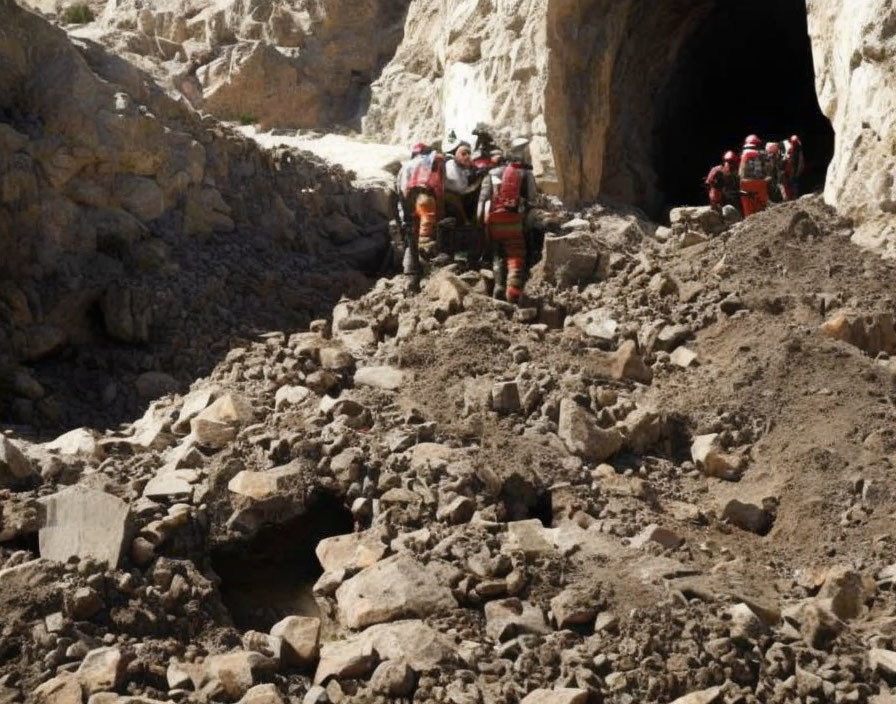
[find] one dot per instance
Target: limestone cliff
(855, 57)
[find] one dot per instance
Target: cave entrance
(271, 576)
(747, 68)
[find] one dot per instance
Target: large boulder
(397, 587)
(16, 471)
(579, 431)
(85, 523)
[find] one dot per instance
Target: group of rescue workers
(471, 202)
(757, 176)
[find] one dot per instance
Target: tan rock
(16, 471)
(709, 456)
(237, 671)
(626, 363)
(354, 551)
(397, 587)
(578, 430)
(101, 670)
(261, 486)
(564, 695)
(301, 639)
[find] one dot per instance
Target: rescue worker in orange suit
(794, 165)
(774, 169)
(753, 176)
(421, 191)
(724, 183)
(504, 199)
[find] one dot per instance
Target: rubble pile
(663, 478)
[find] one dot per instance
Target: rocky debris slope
(125, 217)
(664, 478)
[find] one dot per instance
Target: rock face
(107, 179)
(855, 76)
(285, 64)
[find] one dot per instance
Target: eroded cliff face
(855, 57)
(126, 218)
(283, 63)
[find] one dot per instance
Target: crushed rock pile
(664, 478)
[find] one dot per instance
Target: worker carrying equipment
(504, 199)
(753, 176)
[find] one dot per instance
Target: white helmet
(519, 148)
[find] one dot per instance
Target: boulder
(288, 396)
(563, 695)
(384, 378)
(237, 671)
(509, 618)
(848, 591)
(530, 537)
(62, 689)
(397, 587)
(394, 678)
(82, 522)
(261, 486)
(81, 442)
(570, 259)
(261, 694)
(872, 333)
(579, 431)
(708, 455)
(217, 425)
(626, 363)
(101, 670)
(412, 641)
(301, 639)
(353, 551)
(16, 471)
(704, 696)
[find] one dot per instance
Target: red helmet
(752, 141)
(795, 139)
(772, 148)
(418, 149)
(731, 156)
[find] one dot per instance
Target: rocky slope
(126, 217)
(664, 478)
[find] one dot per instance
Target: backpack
(506, 198)
(427, 174)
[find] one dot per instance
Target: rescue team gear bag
(507, 197)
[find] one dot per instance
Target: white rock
(84, 522)
(385, 378)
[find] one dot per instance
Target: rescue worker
(723, 183)
(774, 169)
(795, 165)
(460, 183)
(506, 193)
(421, 193)
(753, 177)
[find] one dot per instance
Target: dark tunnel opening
(271, 576)
(747, 69)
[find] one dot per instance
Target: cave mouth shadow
(748, 68)
(272, 575)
